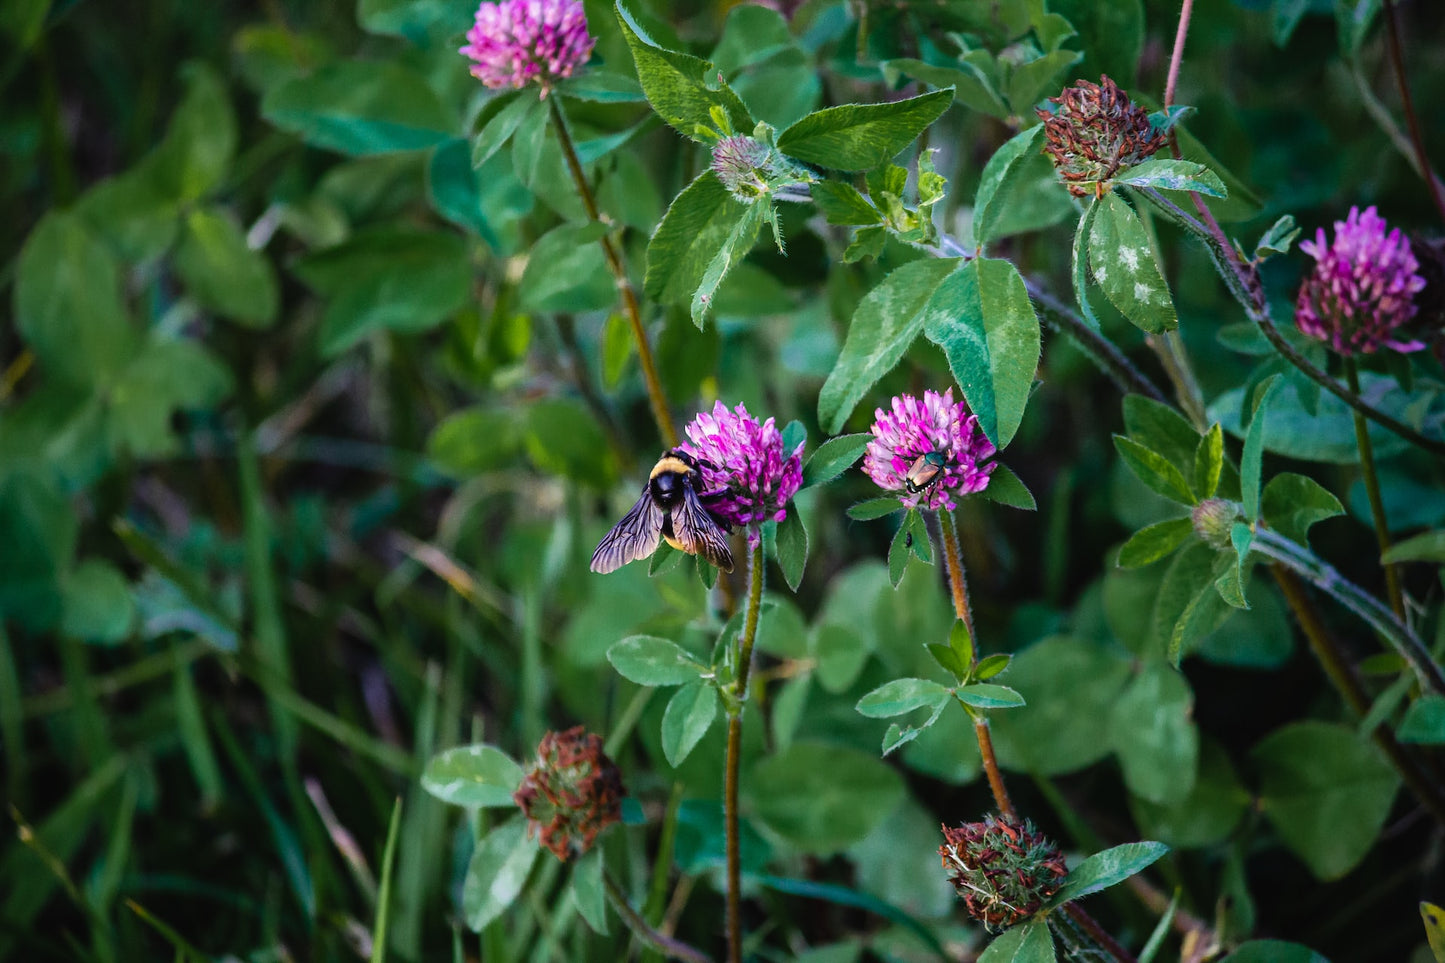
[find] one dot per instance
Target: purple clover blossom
(747, 460)
(1362, 288)
(518, 42)
(916, 428)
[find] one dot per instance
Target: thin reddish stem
(1397, 60)
(1176, 56)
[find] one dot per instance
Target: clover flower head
(514, 43)
(572, 792)
(747, 460)
(1003, 869)
(743, 164)
(934, 428)
(1093, 132)
(1362, 288)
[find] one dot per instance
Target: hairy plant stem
(1097, 933)
(1397, 60)
(1105, 354)
(1175, 358)
(1323, 576)
(1372, 490)
(655, 395)
(1242, 279)
(734, 705)
(1341, 674)
(666, 945)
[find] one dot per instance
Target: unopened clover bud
(1003, 869)
(1094, 132)
(571, 793)
(1213, 518)
(743, 164)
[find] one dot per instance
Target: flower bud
(1003, 869)
(572, 792)
(744, 165)
(1213, 518)
(1095, 132)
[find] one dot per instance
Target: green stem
(739, 697)
(1175, 358)
(958, 587)
(1323, 576)
(1099, 349)
(666, 945)
(1372, 490)
(655, 395)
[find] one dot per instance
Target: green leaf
(1353, 21)
(97, 605)
(567, 271)
(588, 892)
(1273, 951)
(1250, 462)
(223, 273)
(477, 775)
(68, 305)
(1209, 462)
(960, 642)
(992, 665)
(1102, 870)
(792, 541)
(1173, 175)
(899, 550)
(833, 457)
(689, 715)
(1154, 736)
(648, 660)
(680, 87)
(884, 325)
(733, 249)
(948, 659)
(1005, 488)
(841, 203)
(361, 107)
(1122, 261)
(1150, 544)
(601, 87)
(840, 655)
(982, 318)
(1154, 470)
(1434, 920)
(497, 873)
(822, 797)
(874, 508)
(1079, 263)
(1424, 721)
(859, 137)
(1425, 547)
(165, 377)
(1158, 426)
(387, 279)
(1111, 34)
(698, 223)
(1004, 178)
(503, 124)
(1187, 607)
(1030, 942)
(1231, 580)
(475, 440)
(986, 695)
(1278, 239)
(1327, 792)
(1207, 815)
(200, 141)
(901, 696)
(971, 86)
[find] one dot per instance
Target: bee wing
(634, 537)
(697, 532)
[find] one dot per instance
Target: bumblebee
(673, 508)
(926, 470)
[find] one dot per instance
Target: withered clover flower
(1094, 132)
(519, 42)
(1003, 869)
(1362, 288)
(928, 450)
(571, 793)
(746, 459)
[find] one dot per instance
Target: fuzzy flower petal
(747, 461)
(1362, 288)
(915, 428)
(519, 42)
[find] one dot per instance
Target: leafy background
(308, 426)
